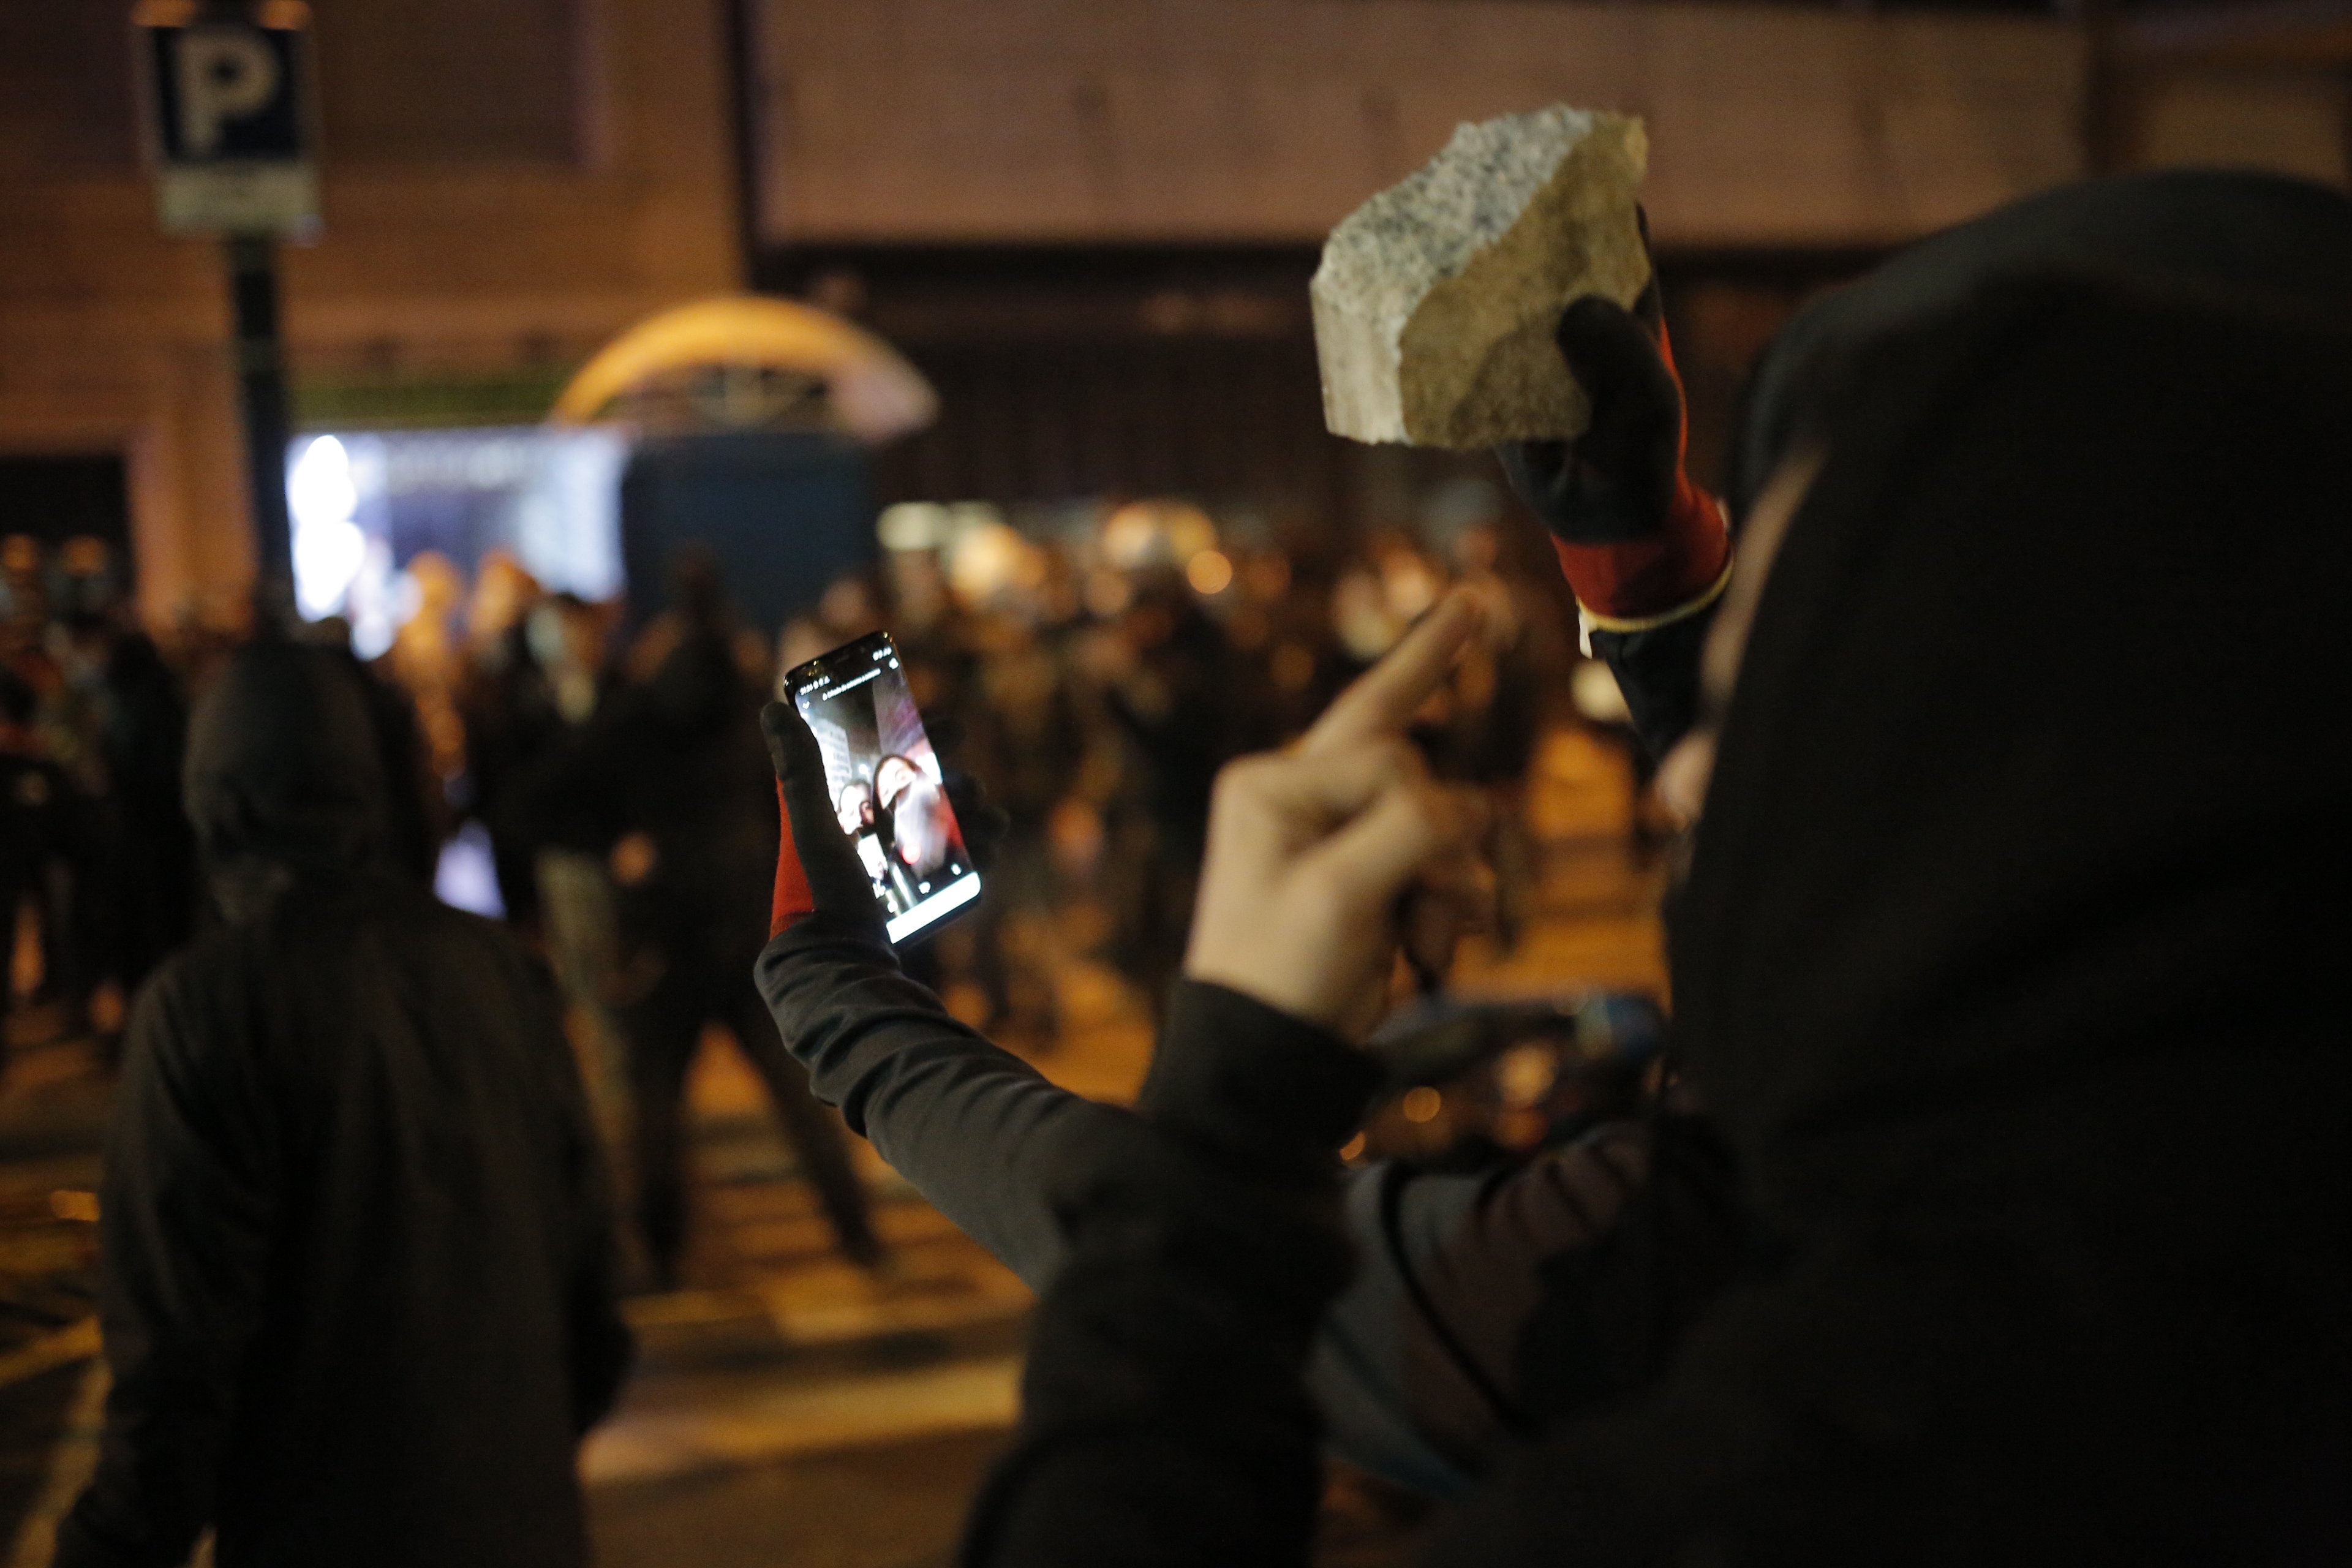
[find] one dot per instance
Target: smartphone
(884, 778)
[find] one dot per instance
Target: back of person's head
(283, 767)
(2284, 241)
(2012, 954)
(2025, 774)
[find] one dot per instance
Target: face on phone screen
(885, 783)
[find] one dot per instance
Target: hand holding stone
(1614, 483)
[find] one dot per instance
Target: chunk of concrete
(1436, 302)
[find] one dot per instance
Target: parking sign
(229, 109)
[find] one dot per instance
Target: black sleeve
(1451, 1271)
(1657, 672)
(1415, 1368)
(973, 1127)
(1165, 1415)
(189, 1208)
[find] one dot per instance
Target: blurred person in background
(24, 594)
(1027, 738)
(53, 739)
(39, 818)
(144, 867)
(428, 660)
(669, 782)
(1283, 630)
(578, 925)
(508, 707)
(1490, 719)
(1167, 678)
(357, 1278)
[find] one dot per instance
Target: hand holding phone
(884, 785)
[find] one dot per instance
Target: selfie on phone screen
(884, 778)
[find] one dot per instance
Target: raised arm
(973, 1127)
(1166, 1416)
(1415, 1369)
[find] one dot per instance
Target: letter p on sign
(225, 74)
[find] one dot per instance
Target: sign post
(229, 113)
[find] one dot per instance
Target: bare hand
(1310, 849)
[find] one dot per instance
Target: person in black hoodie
(2009, 959)
(357, 1276)
(1487, 1301)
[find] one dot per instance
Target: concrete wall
(1267, 120)
(1264, 120)
(113, 337)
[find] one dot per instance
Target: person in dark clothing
(1481, 1299)
(1174, 700)
(1645, 549)
(2020, 1003)
(512, 723)
(1416, 1368)
(358, 1286)
(150, 875)
(39, 813)
(669, 781)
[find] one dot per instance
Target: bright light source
(318, 486)
(326, 557)
(1132, 537)
(329, 548)
(914, 525)
(1209, 573)
(992, 558)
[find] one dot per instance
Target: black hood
(283, 769)
(2254, 235)
(2024, 864)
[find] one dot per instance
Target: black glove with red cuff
(1635, 537)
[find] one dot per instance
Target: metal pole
(261, 387)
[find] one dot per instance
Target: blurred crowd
(601, 787)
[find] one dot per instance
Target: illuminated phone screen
(883, 776)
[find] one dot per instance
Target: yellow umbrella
(874, 394)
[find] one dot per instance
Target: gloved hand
(1635, 537)
(817, 868)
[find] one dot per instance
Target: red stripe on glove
(1683, 560)
(795, 898)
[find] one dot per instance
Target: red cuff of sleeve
(1644, 577)
(794, 898)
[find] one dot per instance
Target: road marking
(74, 1342)
(757, 1424)
(72, 1460)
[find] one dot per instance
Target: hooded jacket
(357, 1292)
(2011, 964)
(2256, 236)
